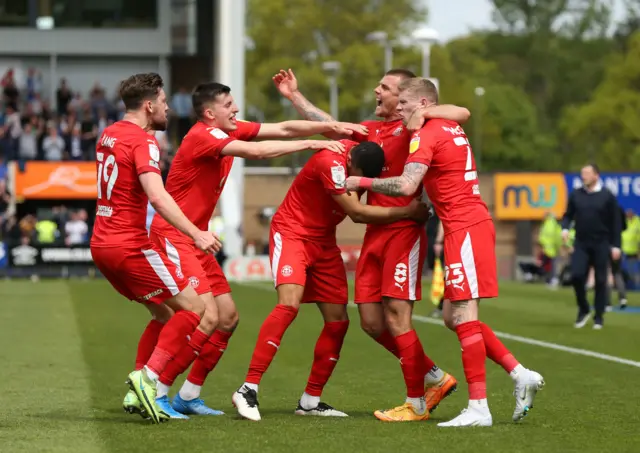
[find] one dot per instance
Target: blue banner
(625, 186)
(3, 255)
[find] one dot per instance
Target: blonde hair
(421, 87)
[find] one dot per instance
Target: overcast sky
(453, 18)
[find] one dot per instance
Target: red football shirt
(124, 152)
(309, 211)
(394, 139)
(452, 180)
(198, 174)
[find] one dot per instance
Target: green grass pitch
(66, 348)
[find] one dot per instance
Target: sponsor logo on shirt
(219, 134)
(338, 175)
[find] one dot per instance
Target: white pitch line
(508, 336)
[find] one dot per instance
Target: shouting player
(196, 180)
(389, 270)
(128, 177)
(442, 147)
(307, 267)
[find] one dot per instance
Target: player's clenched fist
(207, 242)
(331, 145)
(419, 210)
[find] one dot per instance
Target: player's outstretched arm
(404, 185)
(301, 128)
(166, 206)
(287, 85)
(269, 149)
(360, 213)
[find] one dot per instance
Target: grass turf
(67, 347)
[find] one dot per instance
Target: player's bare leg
(245, 399)
(325, 358)
(188, 399)
(160, 315)
(438, 384)
(184, 358)
(413, 361)
(188, 308)
(527, 382)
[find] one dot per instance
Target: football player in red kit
(128, 177)
(307, 266)
(440, 158)
(389, 269)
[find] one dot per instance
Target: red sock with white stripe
(181, 362)
(414, 367)
(497, 351)
(205, 363)
(269, 338)
(147, 343)
(325, 359)
(173, 338)
(474, 356)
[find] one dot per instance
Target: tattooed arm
(287, 85)
(404, 185)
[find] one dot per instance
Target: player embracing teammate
(440, 158)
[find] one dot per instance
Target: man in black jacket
(595, 211)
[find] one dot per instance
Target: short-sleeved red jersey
(124, 152)
(452, 179)
(198, 174)
(394, 139)
(309, 211)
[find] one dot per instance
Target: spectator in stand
(75, 105)
(11, 230)
(27, 227)
(5, 199)
(89, 130)
(103, 121)
(28, 148)
(63, 96)
(76, 230)
(34, 85)
(53, 145)
(74, 144)
(13, 129)
(3, 168)
(10, 89)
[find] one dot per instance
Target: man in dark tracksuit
(595, 211)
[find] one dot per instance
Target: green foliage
(551, 101)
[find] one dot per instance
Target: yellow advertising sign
(529, 196)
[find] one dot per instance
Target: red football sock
(172, 339)
(413, 363)
(148, 342)
(474, 355)
(271, 332)
(326, 355)
(497, 351)
(388, 342)
(209, 357)
(184, 358)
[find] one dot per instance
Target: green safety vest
(631, 237)
(550, 237)
(46, 231)
(572, 237)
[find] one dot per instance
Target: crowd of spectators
(67, 129)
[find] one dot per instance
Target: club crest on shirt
(286, 271)
(398, 131)
(339, 177)
(414, 144)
